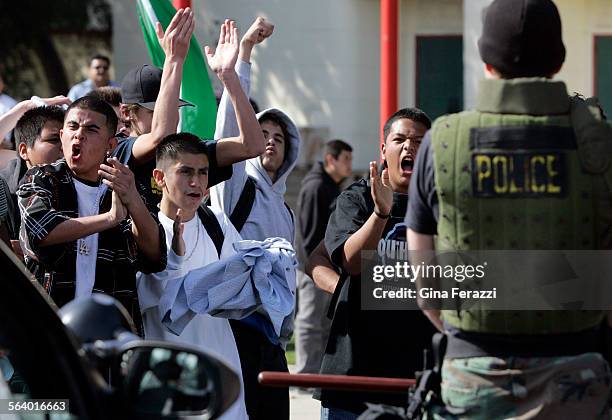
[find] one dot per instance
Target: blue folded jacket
(261, 275)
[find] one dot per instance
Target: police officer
(518, 173)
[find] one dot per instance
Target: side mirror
(164, 380)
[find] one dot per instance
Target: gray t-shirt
(422, 215)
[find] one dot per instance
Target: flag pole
(388, 60)
(181, 4)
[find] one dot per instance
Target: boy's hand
(54, 101)
(178, 244)
(258, 32)
(121, 180)
(223, 60)
(382, 194)
(175, 41)
(118, 212)
(16, 245)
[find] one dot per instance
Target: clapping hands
(382, 193)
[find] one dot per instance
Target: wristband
(382, 216)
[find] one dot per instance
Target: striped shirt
(46, 199)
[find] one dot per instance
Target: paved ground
(302, 406)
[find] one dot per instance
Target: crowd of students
(105, 197)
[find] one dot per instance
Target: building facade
(322, 64)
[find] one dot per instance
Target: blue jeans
(332, 413)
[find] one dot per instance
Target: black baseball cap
(141, 86)
(522, 38)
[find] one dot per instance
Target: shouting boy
(182, 175)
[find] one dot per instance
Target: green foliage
(290, 351)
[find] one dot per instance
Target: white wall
(320, 66)
(129, 49)
(472, 64)
(581, 21)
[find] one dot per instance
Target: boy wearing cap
(519, 364)
(150, 102)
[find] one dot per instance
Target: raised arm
(369, 234)
(260, 30)
(175, 43)
(238, 131)
(227, 126)
(8, 121)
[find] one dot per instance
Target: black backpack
(245, 204)
(212, 226)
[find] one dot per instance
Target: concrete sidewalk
(301, 404)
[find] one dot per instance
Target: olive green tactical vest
(495, 197)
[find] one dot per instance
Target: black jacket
(315, 203)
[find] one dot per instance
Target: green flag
(195, 87)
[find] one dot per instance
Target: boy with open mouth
(85, 226)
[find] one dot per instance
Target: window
(439, 74)
(603, 71)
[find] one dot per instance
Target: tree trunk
(52, 64)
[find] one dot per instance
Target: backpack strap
(206, 202)
(212, 226)
(244, 205)
(290, 212)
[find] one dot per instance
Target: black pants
(258, 354)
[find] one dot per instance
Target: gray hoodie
(269, 216)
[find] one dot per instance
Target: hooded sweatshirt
(269, 216)
(315, 204)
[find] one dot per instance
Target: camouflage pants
(573, 387)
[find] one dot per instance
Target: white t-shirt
(212, 335)
(88, 199)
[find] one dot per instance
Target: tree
(26, 28)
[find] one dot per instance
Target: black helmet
(96, 317)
